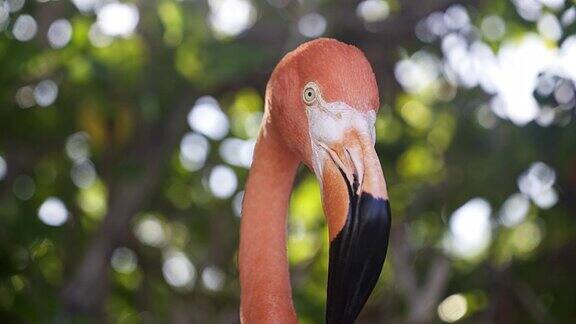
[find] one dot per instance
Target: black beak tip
(357, 255)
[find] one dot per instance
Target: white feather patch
(329, 123)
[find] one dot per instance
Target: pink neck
(264, 277)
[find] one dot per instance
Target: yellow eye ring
(310, 93)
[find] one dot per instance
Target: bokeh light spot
(24, 187)
(59, 33)
(149, 231)
(416, 114)
(24, 28)
(537, 183)
(118, 19)
(373, 10)
(93, 200)
(526, 237)
(514, 210)
(229, 18)
(25, 97)
(194, 149)
(83, 174)
(85, 6)
(53, 212)
(123, 260)
(312, 25)
(456, 17)
(549, 27)
(222, 182)
(77, 147)
(569, 16)
(237, 152)
(207, 118)
(470, 229)
(493, 27)
(213, 278)
(453, 308)
(15, 5)
(530, 10)
(178, 271)
(417, 72)
(45, 93)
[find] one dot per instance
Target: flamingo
(320, 109)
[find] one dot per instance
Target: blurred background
(127, 129)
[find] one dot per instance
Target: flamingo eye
(309, 94)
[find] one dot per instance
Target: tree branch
(421, 299)
(89, 286)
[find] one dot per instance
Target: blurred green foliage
(119, 204)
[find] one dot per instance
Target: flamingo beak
(355, 202)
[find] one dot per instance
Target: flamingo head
(323, 100)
